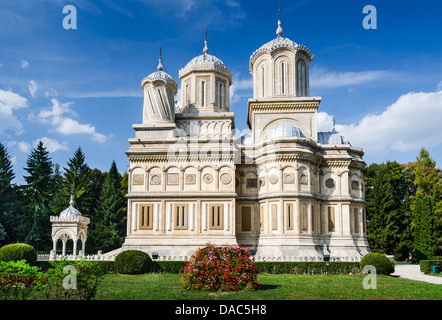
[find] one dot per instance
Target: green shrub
(380, 261)
(308, 267)
(225, 268)
(133, 262)
(426, 266)
(170, 266)
(17, 252)
(17, 280)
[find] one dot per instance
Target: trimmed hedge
(426, 266)
(308, 267)
(133, 262)
(169, 266)
(17, 252)
(380, 261)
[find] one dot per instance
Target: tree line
(404, 208)
(25, 209)
(403, 203)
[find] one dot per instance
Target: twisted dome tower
(159, 96)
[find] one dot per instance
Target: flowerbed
(220, 268)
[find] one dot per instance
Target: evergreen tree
(9, 199)
(38, 192)
(76, 182)
(388, 221)
(110, 215)
(424, 228)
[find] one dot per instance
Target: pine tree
(8, 199)
(425, 244)
(110, 213)
(76, 182)
(38, 192)
(386, 196)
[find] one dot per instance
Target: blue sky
(81, 87)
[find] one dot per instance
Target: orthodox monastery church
(285, 190)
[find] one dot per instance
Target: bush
(225, 268)
(170, 266)
(308, 267)
(133, 262)
(426, 266)
(380, 261)
(17, 280)
(17, 252)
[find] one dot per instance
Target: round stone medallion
(155, 179)
(330, 183)
(273, 179)
(208, 178)
(225, 178)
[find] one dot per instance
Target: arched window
(262, 77)
(283, 72)
(301, 79)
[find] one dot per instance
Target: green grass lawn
(275, 287)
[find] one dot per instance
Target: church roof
(70, 212)
(205, 62)
(284, 129)
(159, 74)
(279, 42)
(332, 137)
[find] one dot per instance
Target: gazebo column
(54, 245)
(75, 247)
(63, 252)
(83, 246)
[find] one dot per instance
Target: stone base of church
(269, 248)
(174, 247)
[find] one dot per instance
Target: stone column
(192, 216)
(297, 216)
(309, 218)
(156, 216)
(63, 252)
(75, 247)
(227, 216)
(169, 217)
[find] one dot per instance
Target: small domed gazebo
(70, 224)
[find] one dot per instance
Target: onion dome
(332, 137)
(159, 75)
(284, 129)
(70, 212)
(278, 43)
(205, 62)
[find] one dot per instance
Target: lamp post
(154, 257)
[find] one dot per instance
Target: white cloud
(24, 64)
(242, 85)
(9, 102)
(51, 145)
(65, 125)
(439, 86)
(321, 78)
(410, 123)
(324, 121)
(51, 93)
(32, 86)
(24, 146)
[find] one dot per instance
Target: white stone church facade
(283, 189)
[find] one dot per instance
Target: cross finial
(160, 65)
(206, 49)
(279, 30)
(334, 123)
(71, 202)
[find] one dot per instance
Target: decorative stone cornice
(181, 158)
(164, 195)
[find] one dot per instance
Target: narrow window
(145, 213)
(331, 219)
(262, 81)
(216, 214)
(274, 208)
(261, 219)
(180, 212)
(356, 220)
(304, 217)
(290, 215)
(313, 219)
(246, 219)
(282, 78)
(203, 102)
